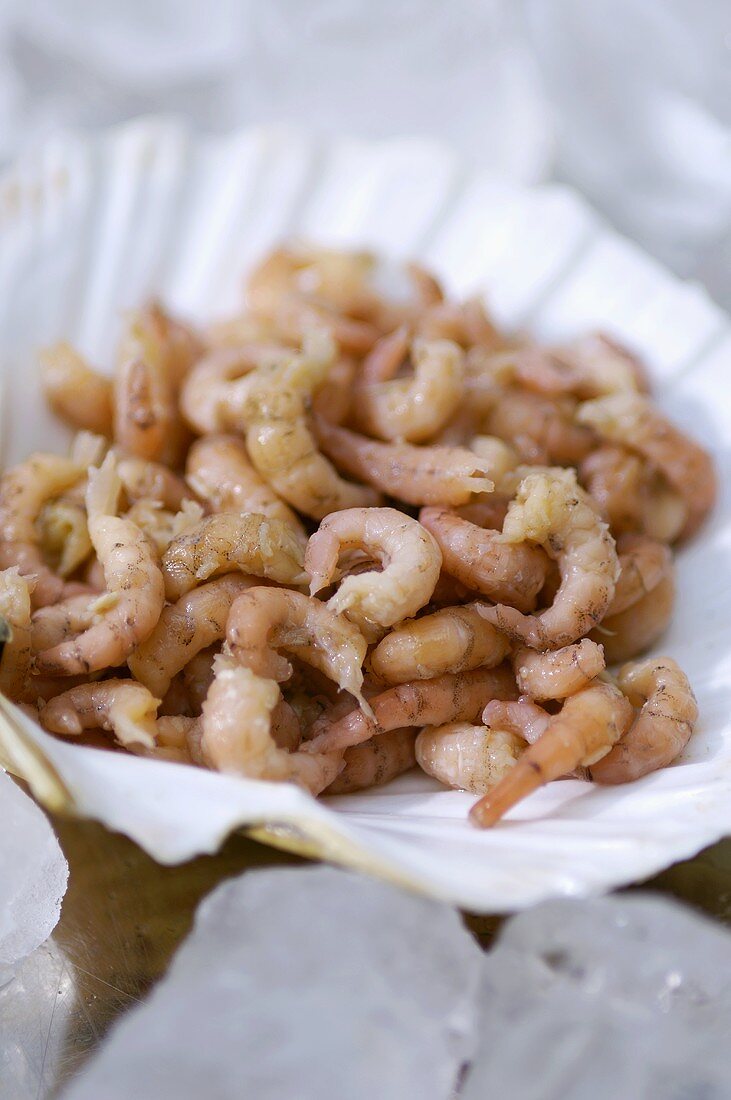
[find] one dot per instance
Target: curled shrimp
(162, 526)
(452, 697)
(559, 672)
(227, 543)
(24, 490)
(134, 586)
(219, 470)
(416, 475)
(639, 626)
(55, 623)
(75, 392)
(590, 366)
(661, 730)
(486, 561)
(408, 554)
(522, 717)
(467, 757)
(124, 707)
(455, 639)
(194, 622)
(552, 510)
(216, 390)
(375, 762)
(237, 738)
(15, 633)
(63, 535)
(633, 421)
(280, 443)
(643, 563)
(263, 620)
(408, 408)
(464, 323)
(145, 480)
(541, 429)
(585, 729)
(615, 480)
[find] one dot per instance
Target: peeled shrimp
(263, 620)
(237, 737)
(122, 706)
(375, 762)
(541, 429)
(416, 475)
(15, 633)
(280, 443)
(24, 490)
(63, 535)
(144, 480)
(455, 639)
(219, 470)
(449, 698)
(408, 554)
(134, 584)
(215, 392)
(615, 480)
(522, 717)
(162, 526)
(415, 407)
(74, 391)
(632, 420)
(464, 323)
(552, 510)
(558, 673)
(590, 366)
(661, 730)
(196, 621)
(467, 757)
(227, 543)
(643, 564)
(634, 630)
(55, 623)
(504, 569)
(583, 731)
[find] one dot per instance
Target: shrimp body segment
(412, 408)
(551, 510)
(452, 697)
(126, 708)
(633, 631)
(134, 585)
(226, 543)
(263, 620)
(486, 561)
(661, 730)
(74, 391)
(455, 639)
(375, 762)
(467, 757)
(559, 672)
(584, 730)
(408, 554)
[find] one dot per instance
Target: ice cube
(33, 875)
(621, 997)
(302, 983)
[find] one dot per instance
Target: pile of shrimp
(342, 534)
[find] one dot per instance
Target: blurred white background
(630, 100)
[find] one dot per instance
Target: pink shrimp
(126, 708)
(558, 673)
(375, 762)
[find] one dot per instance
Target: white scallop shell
(92, 225)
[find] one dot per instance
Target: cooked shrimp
(455, 639)
(558, 673)
(375, 762)
(280, 443)
(162, 526)
(408, 554)
(520, 716)
(486, 561)
(144, 480)
(237, 737)
(219, 470)
(197, 677)
(643, 564)
(334, 398)
(63, 535)
(541, 429)
(464, 323)
(633, 421)
(263, 620)
(416, 475)
(15, 633)
(615, 479)
(500, 456)
(122, 706)
(452, 697)
(196, 621)
(414, 407)
(227, 543)
(55, 623)
(590, 366)
(467, 757)
(24, 490)
(634, 630)
(134, 585)
(74, 391)
(215, 392)
(661, 730)
(552, 510)
(583, 731)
